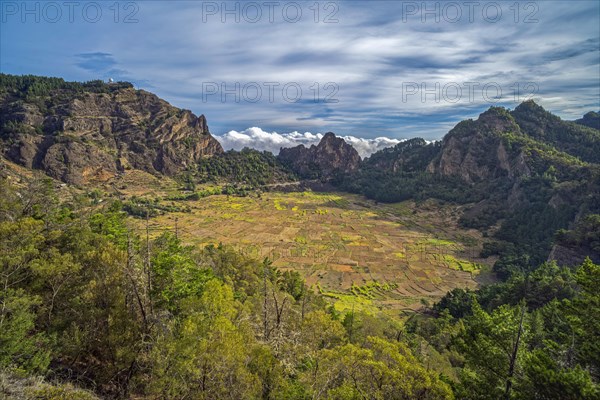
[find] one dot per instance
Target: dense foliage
(585, 234)
(580, 141)
(399, 173)
(85, 299)
(535, 335)
(28, 86)
(392, 187)
(523, 212)
(248, 166)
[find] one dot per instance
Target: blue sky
(393, 69)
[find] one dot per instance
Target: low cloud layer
(258, 139)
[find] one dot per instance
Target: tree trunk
(513, 358)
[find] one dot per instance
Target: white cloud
(259, 139)
(366, 147)
(371, 53)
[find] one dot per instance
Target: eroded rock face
(475, 151)
(564, 255)
(84, 136)
(331, 156)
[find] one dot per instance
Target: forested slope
(84, 299)
(90, 307)
(526, 174)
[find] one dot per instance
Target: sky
(270, 74)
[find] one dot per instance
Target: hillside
(140, 261)
(79, 133)
(526, 174)
(590, 119)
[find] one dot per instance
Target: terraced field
(362, 255)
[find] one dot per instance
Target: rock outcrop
(564, 255)
(475, 151)
(77, 136)
(331, 156)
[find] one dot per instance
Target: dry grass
(337, 241)
(340, 241)
(15, 387)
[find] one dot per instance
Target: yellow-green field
(361, 255)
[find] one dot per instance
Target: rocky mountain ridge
(522, 175)
(514, 144)
(474, 150)
(331, 156)
(79, 135)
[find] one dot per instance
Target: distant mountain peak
(532, 107)
(332, 155)
(590, 119)
(499, 144)
(329, 139)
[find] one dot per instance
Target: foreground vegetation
(85, 298)
(87, 301)
(94, 303)
(334, 240)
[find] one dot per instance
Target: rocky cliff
(475, 150)
(331, 156)
(77, 133)
(522, 175)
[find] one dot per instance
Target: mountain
(591, 120)
(81, 132)
(330, 157)
(474, 150)
(408, 156)
(572, 138)
(173, 315)
(522, 176)
(514, 143)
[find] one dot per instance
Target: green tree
(204, 355)
(21, 348)
(584, 314)
(494, 345)
(380, 370)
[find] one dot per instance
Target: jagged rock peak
(331, 156)
(330, 136)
